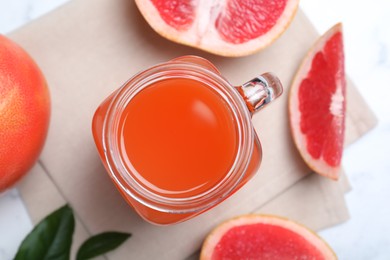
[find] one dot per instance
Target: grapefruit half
(223, 27)
(317, 104)
(264, 237)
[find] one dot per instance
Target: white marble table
(367, 162)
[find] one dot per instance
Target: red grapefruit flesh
(224, 27)
(317, 105)
(178, 14)
(264, 237)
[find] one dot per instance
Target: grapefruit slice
(223, 27)
(264, 237)
(317, 104)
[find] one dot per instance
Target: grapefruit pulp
(317, 104)
(223, 27)
(264, 237)
(24, 112)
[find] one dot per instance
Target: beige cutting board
(87, 49)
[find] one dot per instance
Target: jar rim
(130, 186)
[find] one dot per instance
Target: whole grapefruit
(24, 112)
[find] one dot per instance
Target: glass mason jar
(119, 147)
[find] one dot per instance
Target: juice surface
(180, 137)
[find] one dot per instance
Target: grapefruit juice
(178, 137)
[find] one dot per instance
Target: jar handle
(260, 91)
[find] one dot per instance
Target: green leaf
(51, 238)
(101, 244)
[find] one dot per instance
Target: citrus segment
(242, 21)
(224, 27)
(178, 14)
(317, 105)
(264, 237)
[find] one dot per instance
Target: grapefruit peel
(336, 108)
(302, 232)
(24, 112)
(201, 32)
